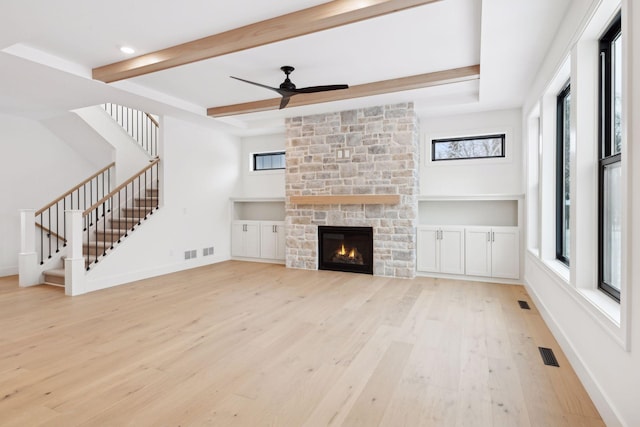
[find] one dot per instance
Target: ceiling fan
(287, 89)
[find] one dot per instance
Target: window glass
(612, 220)
(478, 147)
(563, 176)
(610, 163)
(268, 161)
(616, 63)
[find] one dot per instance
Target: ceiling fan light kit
(287, 88)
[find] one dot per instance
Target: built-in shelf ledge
(347, 199)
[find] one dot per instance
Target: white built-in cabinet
(258, 229)
(272, 240)
(245, 239)
(476, 236)
(441, 249)
(492, 252)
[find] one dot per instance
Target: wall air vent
(524, 305)
(548, 357)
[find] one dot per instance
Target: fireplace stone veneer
(370, 151)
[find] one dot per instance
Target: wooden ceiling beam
(419, 81)
(318, 18)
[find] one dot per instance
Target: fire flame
(343, 252)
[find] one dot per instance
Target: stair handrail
(139, 125)
(51, 219)
(153, 120)
(94, 219)
(104, 169)
(51, 233)
(152, 163)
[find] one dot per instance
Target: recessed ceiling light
(126, 49)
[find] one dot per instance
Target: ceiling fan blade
(314, 89)
(287, 89)
(284, 101)
(256, 84)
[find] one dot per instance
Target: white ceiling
(508, 38)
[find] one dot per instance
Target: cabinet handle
(244, 227)
(493, 236)
(488, 236)
(275, 228)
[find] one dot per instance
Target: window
(474, 147)
(610, 171)
(268, 161)
(563, 175)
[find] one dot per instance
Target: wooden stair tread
(54, 277)
(58, 272)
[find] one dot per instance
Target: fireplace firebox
(345, 249)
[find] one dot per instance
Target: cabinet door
(452, 250)
(478, 251)
(252, 240)
(237, 239)
(505, 252)
(267, 241)
(280, 241)
(428, 249)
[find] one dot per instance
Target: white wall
(35, 168)
(472, 177)
(605, 355)
(263, 183)
(81, 138)
(130, 157)
(200, 174)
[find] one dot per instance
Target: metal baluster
(110, 203)
(104, 231)
(64, 221)
(119, 217)
(96, 245)
(139, 207)
(57, 229)
(49, 232)
(126, 217)
(152, 191)
(41, 240)
(147, 202)
(86, 220)
(109, 188)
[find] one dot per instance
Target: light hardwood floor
(249, 344)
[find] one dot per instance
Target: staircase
(112, 219)
(119, 227)
(102, 217)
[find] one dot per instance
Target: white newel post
(29, 273)
(74, 269)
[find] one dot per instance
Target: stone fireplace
(359, 153)
(345, 249)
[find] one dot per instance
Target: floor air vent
(548, 357)
(524, 305)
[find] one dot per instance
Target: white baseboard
(469, 278)
(584, 374)
(110, 281)
(8, 271)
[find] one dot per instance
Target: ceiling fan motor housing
(287, 84)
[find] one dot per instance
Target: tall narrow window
(610, 176)
(563, 175)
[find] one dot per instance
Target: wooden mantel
(347, 199)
